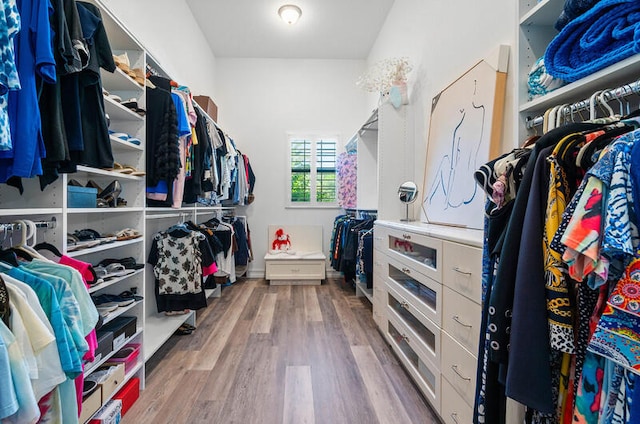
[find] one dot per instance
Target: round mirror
(408, 192)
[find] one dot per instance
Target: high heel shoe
(111, 193)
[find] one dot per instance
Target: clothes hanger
(30, 233)
(43, 245)
(602, 99)
(592, 105)
(545, 121)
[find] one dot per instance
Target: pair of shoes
(125, 137)
(127, 234)
(112, 271)
(129, 263)
(108, 300)
(109, 196)
(183, 330)
(127, 170)
(133, 105)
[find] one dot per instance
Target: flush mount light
(290, 13)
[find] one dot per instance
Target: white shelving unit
(51, 204)
(535, 31)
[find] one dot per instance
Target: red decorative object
(282, 241)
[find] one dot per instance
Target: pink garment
(178, 183)
(347, 179)
(92, 340)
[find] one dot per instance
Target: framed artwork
(464, 132)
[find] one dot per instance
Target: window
(312, 162)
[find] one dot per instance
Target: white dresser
(427, 296)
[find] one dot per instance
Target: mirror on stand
(407, 193)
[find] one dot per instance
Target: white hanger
(602, 98)
(592, 105)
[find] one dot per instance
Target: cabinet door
(459, 367)
(462, 269)
(454, 409)
(461, 319)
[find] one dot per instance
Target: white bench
(301, 261)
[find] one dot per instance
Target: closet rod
(169, 215)
(614, 94)
(16, 226)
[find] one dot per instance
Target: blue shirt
(34, 54)
(28, 407)
(69, 357)
(184, 128)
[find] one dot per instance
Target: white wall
(263, 99)
(444, 38)
(169, 32)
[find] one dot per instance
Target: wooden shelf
(120, 81)
(95, 366)
(85, 211)
(117, 112)
(103, 247)
(117, 144)
(30, 212)
(104, 172)
(159, 328)
(362, 290)
(113, 281)
(121, 310)
(620, 73)
(545, 13)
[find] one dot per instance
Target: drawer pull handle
(405, 338)
(458, 270)
(455, 369)
(406, 236)
(406, 270)
(454, 417)
(404, 305)
(456, 318)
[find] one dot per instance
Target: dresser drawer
(461, 319)
(420, 291)
(459, 367)
(462, 269)
(454, 410)
(425, 374)
(379, 300)
(295, 269)
(414, 250)
(424, 334)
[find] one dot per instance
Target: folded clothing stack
(540, 82)
(604, 35)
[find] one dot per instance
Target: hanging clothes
(181, 258)
(34, 55)
(96, 151)
(551, 256)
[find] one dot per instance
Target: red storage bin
(127, 355)
(129, 394)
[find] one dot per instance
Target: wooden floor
(280, 354)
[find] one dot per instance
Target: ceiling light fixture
(290, 13)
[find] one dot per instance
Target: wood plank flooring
(280, 354)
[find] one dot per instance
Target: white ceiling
(328, 29)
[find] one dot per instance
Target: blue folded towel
(605, 34)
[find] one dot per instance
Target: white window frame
(314, 138)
